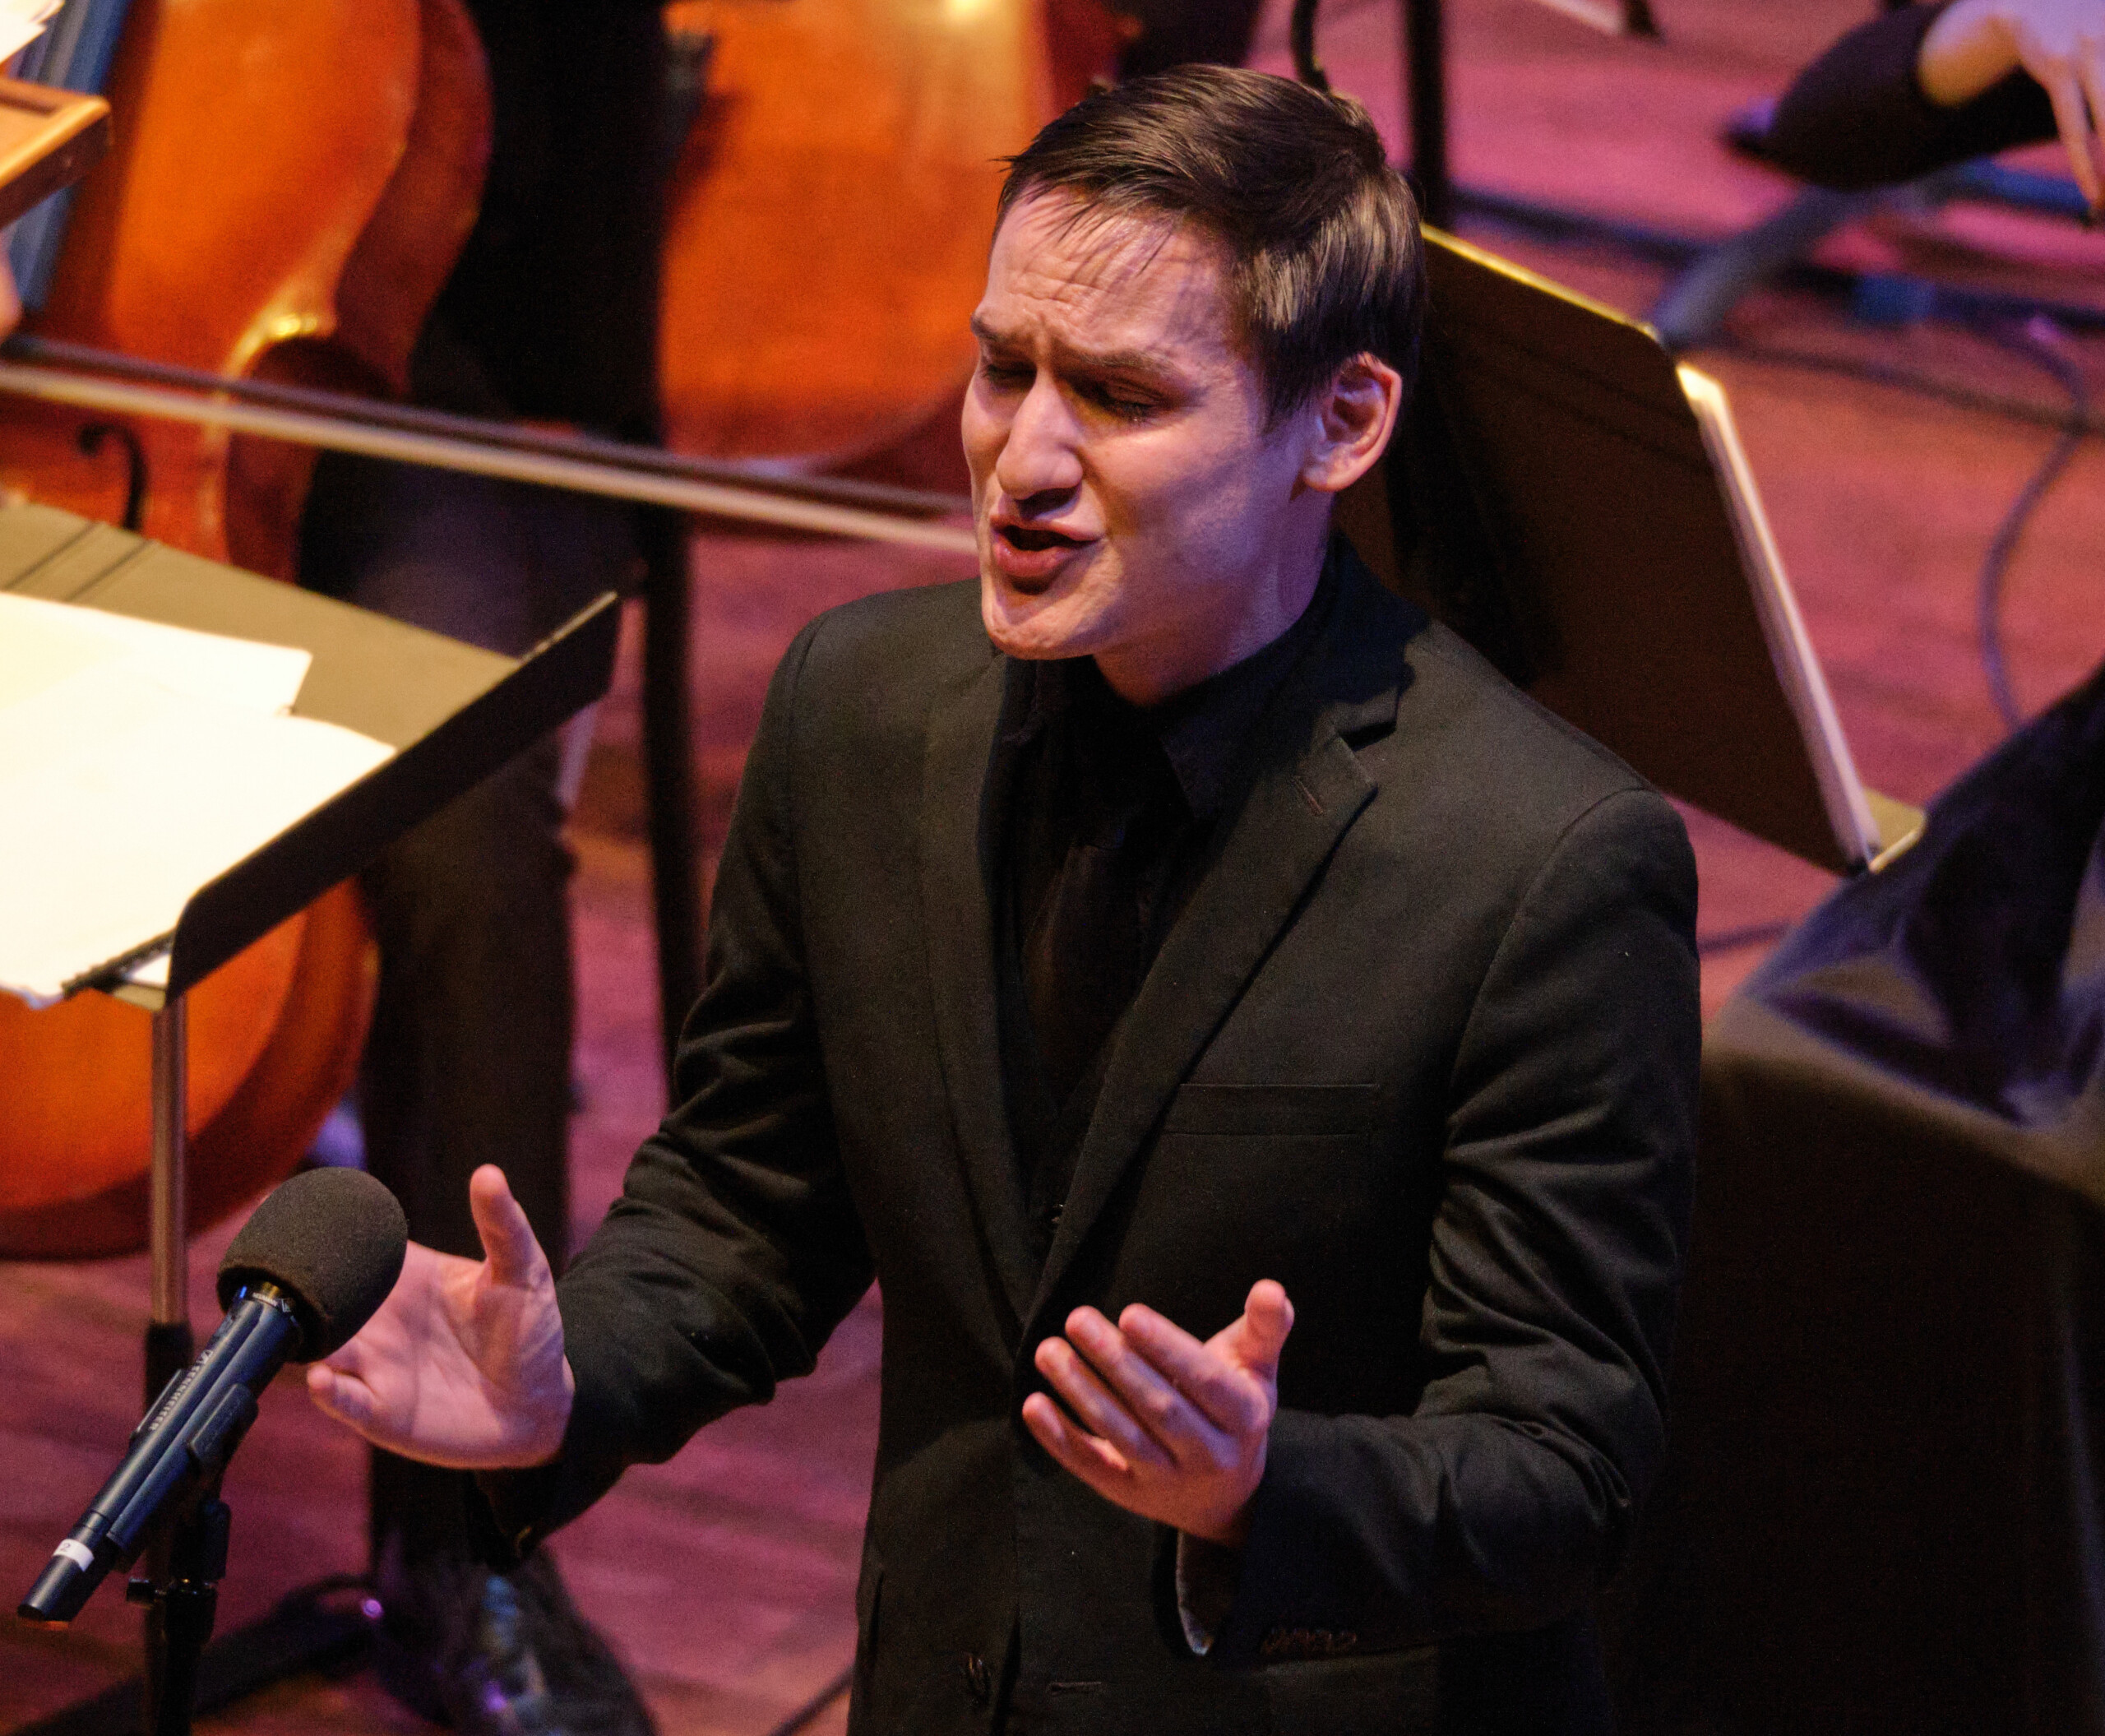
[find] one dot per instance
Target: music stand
(454, 714)
(1578, 508)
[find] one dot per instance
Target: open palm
(463, 1364)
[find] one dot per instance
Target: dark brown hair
(1323, 234)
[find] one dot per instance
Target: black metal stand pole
(184, 1559)
(182, 1602)
(669, 759)
(1425, 89)
(1424, 32)
(169, 1343)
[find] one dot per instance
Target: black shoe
(499, 1655)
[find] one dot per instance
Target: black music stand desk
(1577, 506)
(452, 712)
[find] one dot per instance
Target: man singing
(1254, 1047)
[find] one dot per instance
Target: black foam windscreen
(333, 1241)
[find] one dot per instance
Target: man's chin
(1034, 625)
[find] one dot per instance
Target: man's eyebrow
(1105, 361)
(1121, 361)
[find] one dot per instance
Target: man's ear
(1353, 416)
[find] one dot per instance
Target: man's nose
(1041, 455)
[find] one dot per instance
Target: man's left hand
(1172, 1429)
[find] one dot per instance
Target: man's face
(1130, 503)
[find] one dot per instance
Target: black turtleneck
(1107, 814)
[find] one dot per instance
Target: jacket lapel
(958, 917)
(1307, 788)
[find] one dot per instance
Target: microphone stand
(1425, 89)
(181, 1596)
(186, 1558)
(1424, 28)
(455, 719)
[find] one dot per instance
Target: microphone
(307, 1270)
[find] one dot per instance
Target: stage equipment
(451, 713)
(1423, 26)
(1580, 510)
(307, 1269)
(1879, 1509)
(1424, 29)
(48, 139)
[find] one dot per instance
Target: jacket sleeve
(734, 1249)
(1857, 118)
(1504, 1497)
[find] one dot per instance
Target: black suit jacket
(1422, 1046)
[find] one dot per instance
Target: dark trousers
(468, 1062)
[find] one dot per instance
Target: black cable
(1907, 379)
(2073, 424)
(2040, 349)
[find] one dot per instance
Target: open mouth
(1033, 542)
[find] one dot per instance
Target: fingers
(1261, 1330)
(1267, 1317)
(2072, 120)
(1163, 1425)
(2064, 50)
(2091, 65)
(1149, 1373)
(1096, 1462)
(348, 1400)
(1228, 1395)
(515, 1257)
(1119, 1417)
(1151, 1368)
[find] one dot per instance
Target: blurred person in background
(1923, 87)
(550, 314)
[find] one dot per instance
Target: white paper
(40, 642)
(22, 21)
(138, 762)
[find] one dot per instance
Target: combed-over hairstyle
(1323, 234)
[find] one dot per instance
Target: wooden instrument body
(288, 189)
(830, 211)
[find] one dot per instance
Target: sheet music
(22, 22)
(138, 762)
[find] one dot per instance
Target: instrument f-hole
(94, 436)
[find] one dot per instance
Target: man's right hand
(463, 1364)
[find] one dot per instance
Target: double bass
(285, 193)
(830, 202)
